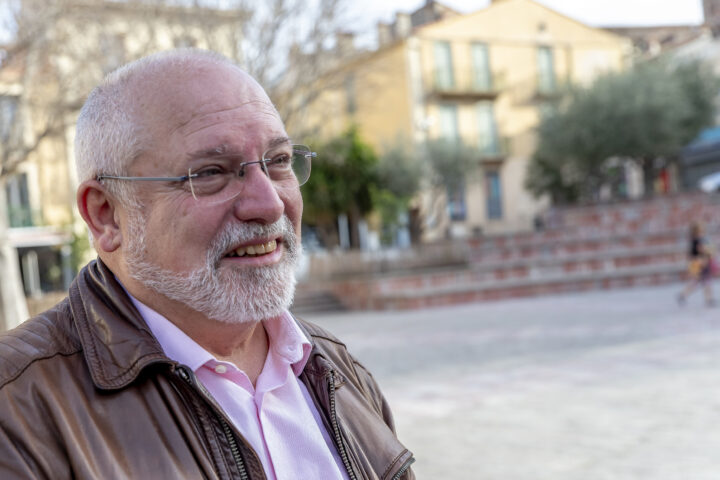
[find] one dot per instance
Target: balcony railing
(495, 150)
(468, 86)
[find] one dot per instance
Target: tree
(344, 177)
(448, 165)
(646, 114)
(60, 49)
(400, 173)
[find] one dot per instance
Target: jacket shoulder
(49, 334)
(320, 334)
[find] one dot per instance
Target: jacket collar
(117, 342)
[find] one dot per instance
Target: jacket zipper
(226, 428)
(403, 469)
(336, 428)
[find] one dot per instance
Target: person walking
(700, 263)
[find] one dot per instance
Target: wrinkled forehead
(171, 98)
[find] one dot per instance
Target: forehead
(215, 104)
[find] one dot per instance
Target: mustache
(235, 233)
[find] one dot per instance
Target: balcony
(494, 151)
(466, 87)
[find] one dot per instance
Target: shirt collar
(285, 338)
(176, 344)
(288, 341)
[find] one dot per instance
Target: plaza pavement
(610, 385)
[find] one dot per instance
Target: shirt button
(220, 369)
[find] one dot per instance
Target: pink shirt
(277, 416)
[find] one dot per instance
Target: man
(174, 355)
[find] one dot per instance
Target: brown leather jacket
(87, 392)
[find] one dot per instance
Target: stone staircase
(585, 248)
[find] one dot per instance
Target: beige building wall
(370, 91)
(383, 97)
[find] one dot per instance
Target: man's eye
(281, 160)
(210, 172)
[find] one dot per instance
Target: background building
(484, 80)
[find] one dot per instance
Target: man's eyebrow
(224, 150)
(278, 141)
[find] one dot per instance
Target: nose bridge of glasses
(262, 164)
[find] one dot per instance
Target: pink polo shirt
(277, 416)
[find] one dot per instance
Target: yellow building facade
(484, 79)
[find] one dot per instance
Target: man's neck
(243, 344)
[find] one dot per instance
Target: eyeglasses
(285, 166)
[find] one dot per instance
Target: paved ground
(621, 385)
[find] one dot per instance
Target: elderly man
(174, 355)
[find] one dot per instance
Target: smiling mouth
(254, 250)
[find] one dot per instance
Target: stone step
(423, 297)
(519, 269)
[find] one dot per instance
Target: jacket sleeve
(17, 461)
(375, 395)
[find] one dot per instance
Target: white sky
(592, 12)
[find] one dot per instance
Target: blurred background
(468, 151)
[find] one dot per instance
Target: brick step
(570, 236)
(673, 211)
(519, 269)
(575, 246)
(512, 288)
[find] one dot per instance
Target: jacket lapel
(117, 342)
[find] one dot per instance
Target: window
(8, 112)
(456, 202)
(494, 195)
(546, 70)
(351, 105)
(443, 66)
(482, 80)
(449, 123)
(487, 129)
(18, 201)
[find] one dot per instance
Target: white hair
(110, 133)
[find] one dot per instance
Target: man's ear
(97, 208)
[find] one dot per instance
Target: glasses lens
(302, 162)
(213, 185)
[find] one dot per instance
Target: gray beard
(230, 295)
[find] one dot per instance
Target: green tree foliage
(646, 113)
(343, 178)
(448, 165)
(400, 172)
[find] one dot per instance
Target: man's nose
(260, 200)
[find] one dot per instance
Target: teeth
(258, 249)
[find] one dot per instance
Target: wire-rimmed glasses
(211, 183)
